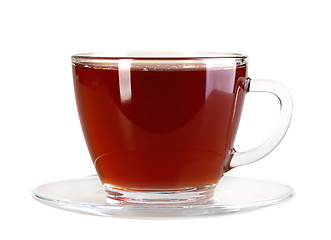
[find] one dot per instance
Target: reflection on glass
(124, 76)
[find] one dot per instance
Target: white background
(41, 140)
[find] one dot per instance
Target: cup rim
(151, 55)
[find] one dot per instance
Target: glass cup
(160, 127)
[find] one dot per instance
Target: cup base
(167, 196)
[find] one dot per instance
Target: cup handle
(255, 154)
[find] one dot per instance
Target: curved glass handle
(270, 86)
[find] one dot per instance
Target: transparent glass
(233, 194)
(160, 127)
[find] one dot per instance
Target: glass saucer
(232, 194)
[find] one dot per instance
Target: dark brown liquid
(167, 129)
